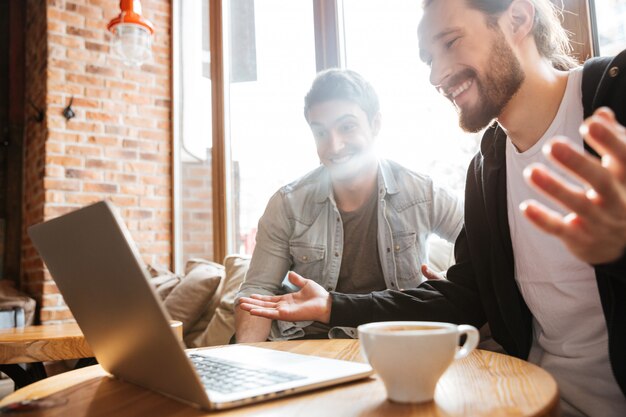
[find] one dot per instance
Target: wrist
(328, 303)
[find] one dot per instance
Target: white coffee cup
(411, 356)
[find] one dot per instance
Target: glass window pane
(420, 127)
(194, 134)
(272, 53)
(611, 23)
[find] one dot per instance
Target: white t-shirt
(570, 338)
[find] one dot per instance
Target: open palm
(311, 302)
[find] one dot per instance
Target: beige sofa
(203, 298)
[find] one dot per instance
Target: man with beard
(553, 294)
(352, 216)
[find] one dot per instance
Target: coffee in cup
(411, 356)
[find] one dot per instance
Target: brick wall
(118, 147)
(197, 202)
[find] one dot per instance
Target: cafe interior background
(191, 135)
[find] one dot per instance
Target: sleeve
(446, 213)
(615, 270)
(271, 259)
(455, 300)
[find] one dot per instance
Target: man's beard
(498, 86)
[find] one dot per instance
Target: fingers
(268, 313)
(601, 116)
(430, 274)
(607, 137)
(565, 153)
(605, 113)
(605, 177)
(272, 298)
(544, 218)
(297, 280)
(570, 197)
(247, 306)
(245, 301)
(259, 308)
(586, 167)
(604, 133)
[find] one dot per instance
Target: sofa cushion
(18, 308)
(188, 300)
(163, 280)
(218, 328)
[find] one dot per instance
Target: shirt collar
(387, 183)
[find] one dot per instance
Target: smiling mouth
(457, 91)
(340, 159)
(458, 83)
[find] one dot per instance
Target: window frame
(219, 149)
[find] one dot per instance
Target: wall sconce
(132, 34)
(68, 112)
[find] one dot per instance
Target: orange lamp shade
(130, 14)
(132, 34)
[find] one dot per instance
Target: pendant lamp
(132, 34)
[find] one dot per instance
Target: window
(192, 130)
(269, 139)
(611, 26)
(272, 52)
(270, 142)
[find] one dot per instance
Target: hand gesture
(595, 228)
(312, 302)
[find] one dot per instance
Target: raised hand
(312, 302)
(595, 229)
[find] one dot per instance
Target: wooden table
(37, 344)
(53, 342)
(483, 384)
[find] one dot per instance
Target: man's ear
(376, 123)
(521, 14)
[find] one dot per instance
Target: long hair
(551, 38)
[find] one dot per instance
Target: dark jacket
(481, 285)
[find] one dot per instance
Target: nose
(439, 73)
(335, 141)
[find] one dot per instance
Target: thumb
(605, 112)
(297, 280)
(430, 274)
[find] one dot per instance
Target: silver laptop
(98, 269)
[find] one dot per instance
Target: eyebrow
(338, 120)
(437, 37)
(446, 32)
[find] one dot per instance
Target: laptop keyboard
(226, 377)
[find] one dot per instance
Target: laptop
(105, 283)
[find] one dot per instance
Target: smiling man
(356, 224)
(487, 80)
(554, 294)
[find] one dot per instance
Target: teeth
(340, 160)
(462, 88)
